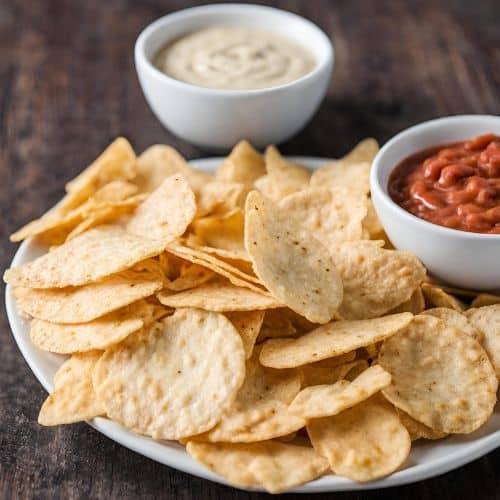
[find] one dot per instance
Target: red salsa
(453, 185)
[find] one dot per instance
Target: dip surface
(455, 185)
(235, 58)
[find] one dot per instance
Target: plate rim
(177, 458)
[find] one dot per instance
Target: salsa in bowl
(437, 208)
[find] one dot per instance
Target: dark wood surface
(68, 86)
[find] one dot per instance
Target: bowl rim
(384, 197)
(326, 64)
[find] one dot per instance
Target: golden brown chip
(221, 231)
(416, 429)
(454, 318)
(330, 340)
(293, 265)
(351, 171)
(437, 297)
(363, 443)
(485, 299)
(166, 212)
(325, 400)
(158, 162)
(175, 379)
(93, 255)
(440, 376)
(97, 334)
(275, 466)
(73, 398)
(283, 177)
(260, 411)
(116, 163)
(375, 280)
(219, 197)
(85, 303)
(248, 324)
(220, 297)
(243, 165)
(332, 215)
(487, 320)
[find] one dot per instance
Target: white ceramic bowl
(217, 119)
(463, 259)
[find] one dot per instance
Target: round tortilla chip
(97, 334)
(88, 302)
(363, 443)
(328, 341)
(293, 265)
(454, 318)
(166, 213)
(375, 280)
(332, 215)
(275, 466)
(325, 400)
(176, 379)
(487, 320)
(440, 376)
(219, 297)
(73, 398)
(93, 255)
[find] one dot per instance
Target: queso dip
(234, 58)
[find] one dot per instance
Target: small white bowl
(217, 119)
(463, 259)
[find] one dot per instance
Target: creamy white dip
(234, 57)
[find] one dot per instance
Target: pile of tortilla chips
(258, 316)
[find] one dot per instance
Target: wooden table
(68, 87)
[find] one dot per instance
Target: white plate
(426, 459)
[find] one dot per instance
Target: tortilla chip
(243, 165)
(440, 376)
(325, 400)
(375, 280)
(219, 197)
(73, 398)
(97, 334)
(93, 255)
(332, 215)
(158, 162)
(457, 320)
(487, 320)
(436, 297)
(221, 231)
(220, 297)
(485, 299)
(166, 213)
(283, 177)
(293, 265)
(273, 465)
(330, 340)
(363, 443)
(352, 171)
(162, 384)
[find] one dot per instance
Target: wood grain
(68, 87)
